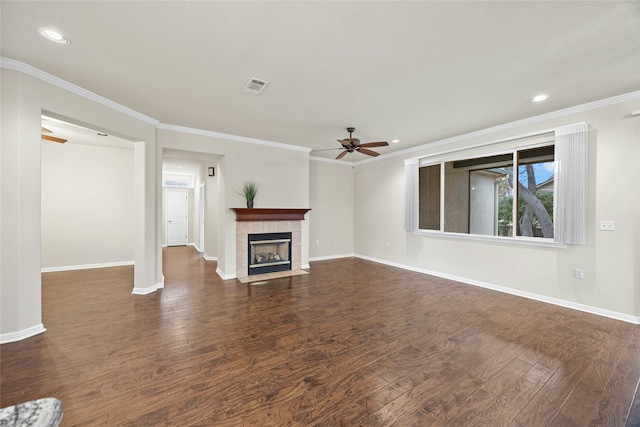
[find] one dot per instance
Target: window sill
(525, 241)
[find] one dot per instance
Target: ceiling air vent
(255, 86)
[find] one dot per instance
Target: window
(429, 208)
(177, 180)
(531, 188)
(479, 194)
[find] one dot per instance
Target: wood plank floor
(353, 343)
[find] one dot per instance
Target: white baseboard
(550, 300)
(225, 276)
(209, 258)
(305, 266)
(146, 291)
(23, 334)
(328, 257)
(86, 266)
(195, 247)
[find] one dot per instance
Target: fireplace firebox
(269, 252)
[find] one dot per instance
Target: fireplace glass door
(269, 252)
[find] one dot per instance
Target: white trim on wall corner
(194, 246)
(146, 291)
(225, 276)
(550, 300)
(21, 335)
(328, 257)
(86, 266)
(209, 258)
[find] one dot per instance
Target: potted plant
(249, 191)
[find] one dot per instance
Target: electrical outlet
(318, 242)
(335, 240)
(388, 244)
(607, 225)
(578, 273)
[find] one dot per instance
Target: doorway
(177, 217)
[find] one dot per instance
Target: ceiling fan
(51, 137)
(352, 144)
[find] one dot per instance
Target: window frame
(167, 175)
(548, 138)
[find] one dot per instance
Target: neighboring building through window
(475, 195)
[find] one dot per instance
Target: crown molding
(522, 122)
(12, 64)
(334, 161)
(202, 132)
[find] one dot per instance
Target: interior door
(177, 217)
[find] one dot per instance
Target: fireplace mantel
(270, 214)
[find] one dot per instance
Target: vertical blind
(411, 195)
(571, 190)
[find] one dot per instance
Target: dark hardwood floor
(352, 343)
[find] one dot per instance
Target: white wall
(283, 174)
(212, 201)
(331, 219)
(610, 260)
(87, 205)
(25, 94)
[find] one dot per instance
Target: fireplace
(268, 221)
(269, 252)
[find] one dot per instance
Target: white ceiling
(419, 71)
(79, 134)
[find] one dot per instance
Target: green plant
(249, 190)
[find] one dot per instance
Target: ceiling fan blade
(341, 155)
(345, 143)
(368, 152)
(375, 144)
(54, 139)
(45, 130)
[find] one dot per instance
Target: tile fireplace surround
(267, 220)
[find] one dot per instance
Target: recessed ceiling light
(395, 141)
(540, 98)
(53, 35)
